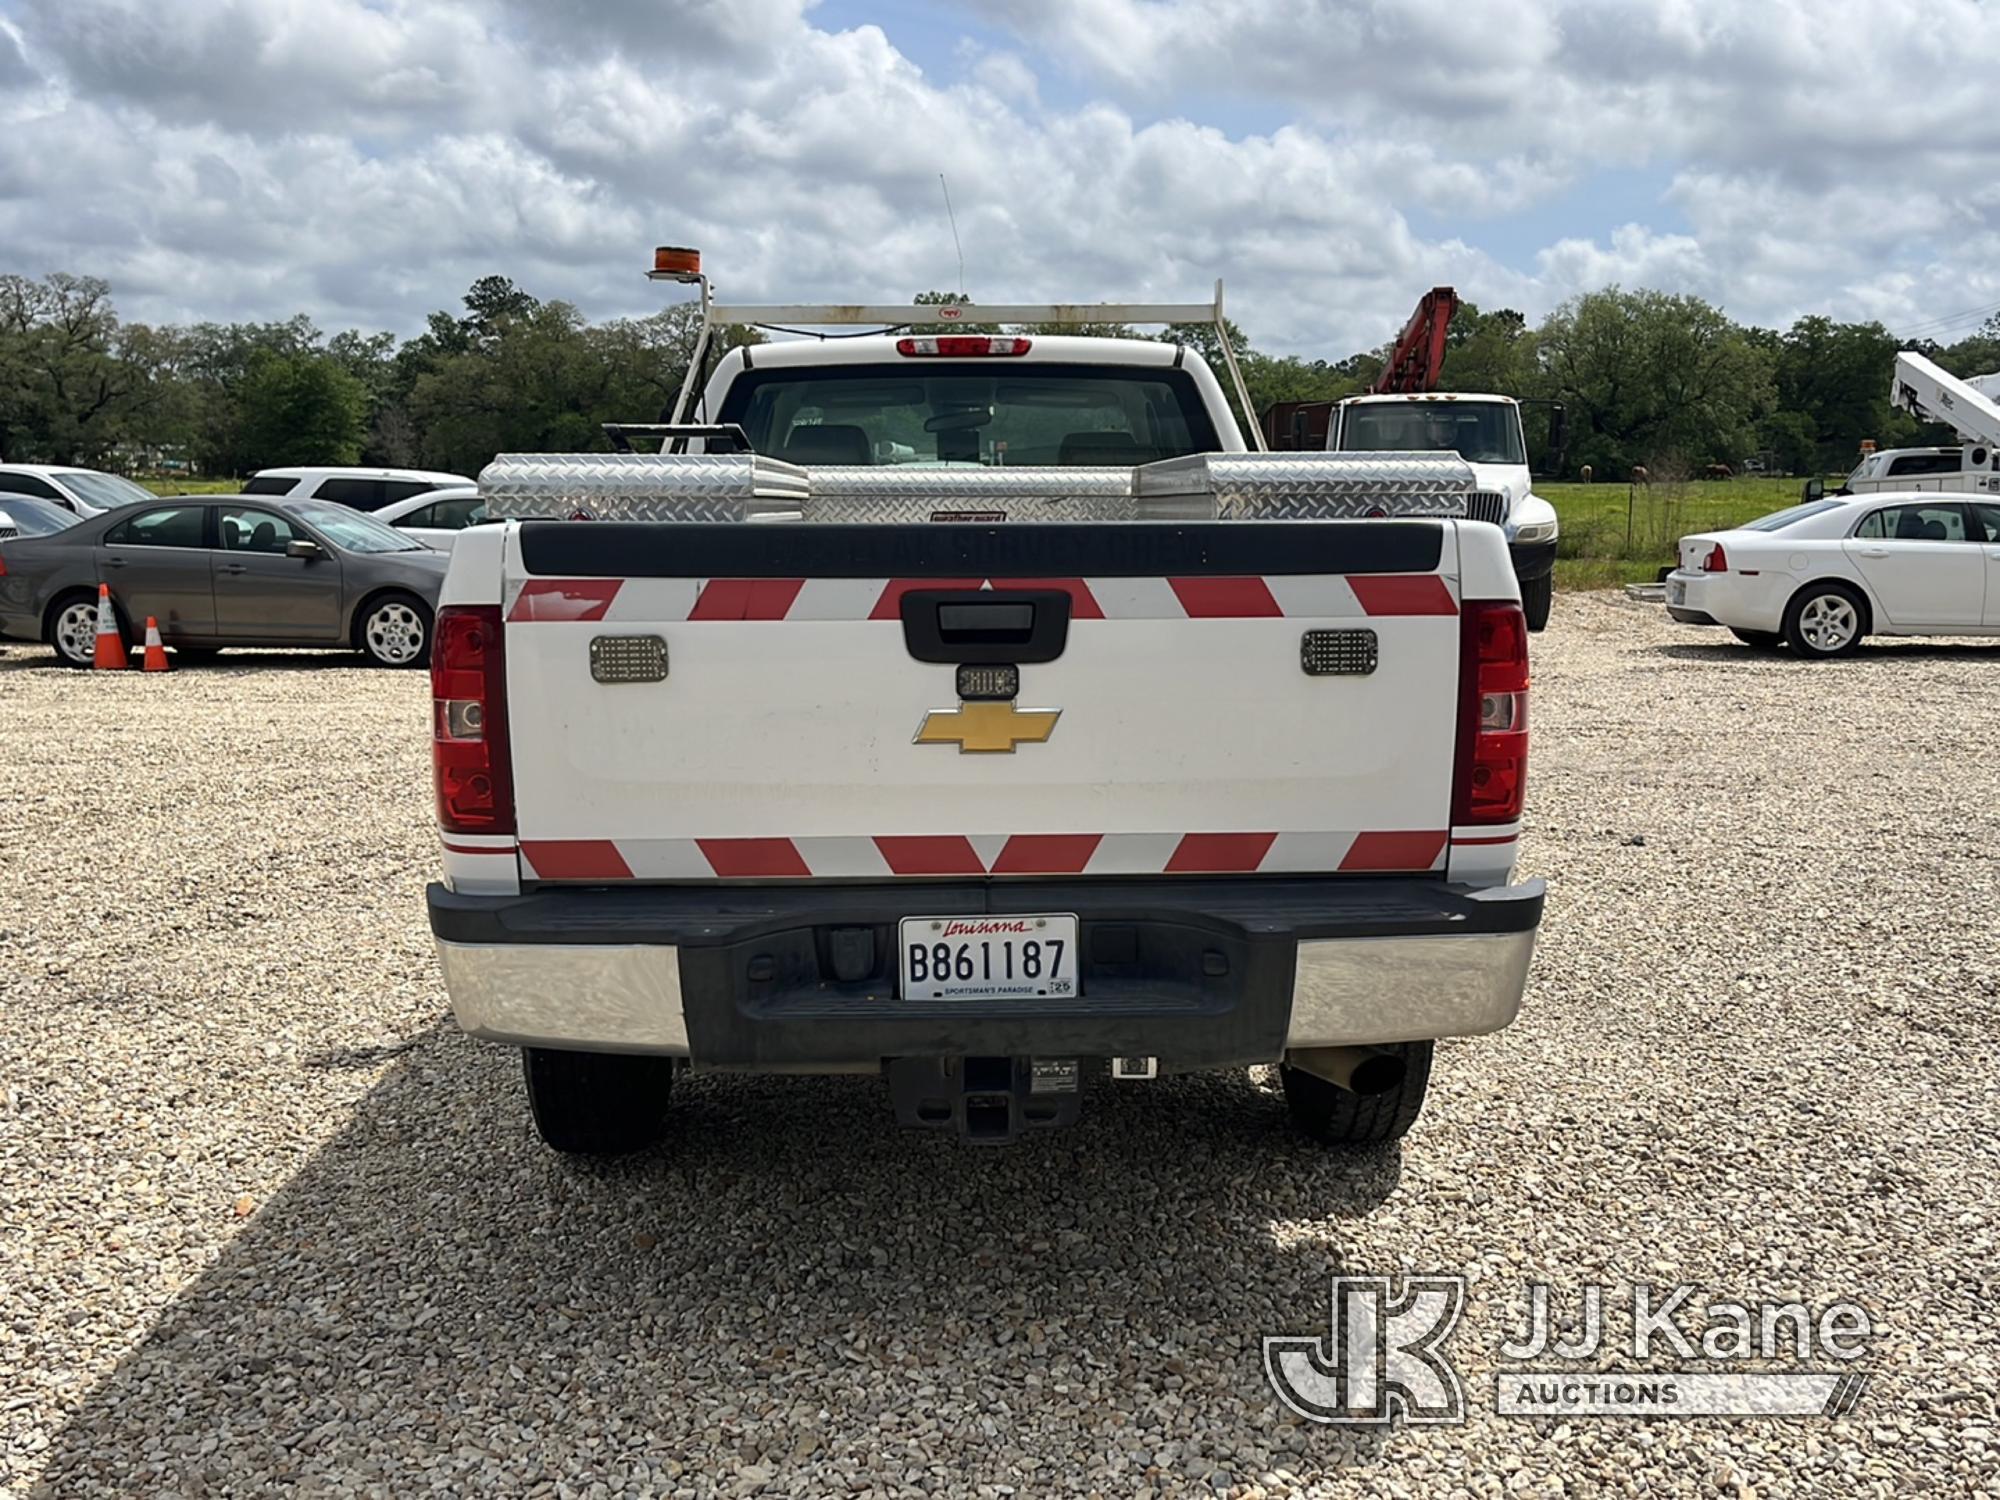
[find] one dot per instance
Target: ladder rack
(684, 266)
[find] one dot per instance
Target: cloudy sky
(364, 160)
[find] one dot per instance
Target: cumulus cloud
(364, 160)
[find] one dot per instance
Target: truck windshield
(1027, 416)
(1480, 432)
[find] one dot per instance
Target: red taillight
(1491, 775)
(963, 346)
(3, 565)
(1717, 560)
(475, 789)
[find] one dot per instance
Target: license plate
(1677, 592)
(988, 958)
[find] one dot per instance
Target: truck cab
(1942, 468)
(1484, 430)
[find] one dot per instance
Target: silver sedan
(226, 570)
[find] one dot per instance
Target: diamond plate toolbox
(751, 487)
(1314, 486)
(905, 492)
(641, 486)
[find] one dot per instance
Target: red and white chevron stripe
(1274, 596)
(1402, 851)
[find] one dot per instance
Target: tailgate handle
(986, 625)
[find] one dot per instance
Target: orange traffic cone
(110, 644)
(156, 654)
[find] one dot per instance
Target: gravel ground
(270, 1223)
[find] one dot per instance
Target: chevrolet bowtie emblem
(978, 728)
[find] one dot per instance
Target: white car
(85, 492)
(1820, 576)
(436, 517)
(359, 489)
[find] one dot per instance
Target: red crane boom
(1419, 353)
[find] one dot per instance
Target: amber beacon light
(678, 261)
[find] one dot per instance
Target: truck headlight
(1536, 531)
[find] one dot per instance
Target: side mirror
(1815, 489)
(304, 548)
(1555, 450)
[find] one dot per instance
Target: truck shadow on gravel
(791, 1279)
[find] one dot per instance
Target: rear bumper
(1197, 973)
(1746, 601)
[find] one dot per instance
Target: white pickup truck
(977, 712)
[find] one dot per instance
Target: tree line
(1647, 377)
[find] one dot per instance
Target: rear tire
(1334, 1116)
(71, 628)
(1538, 596)
(1825, 620)
(1759, 640)
(597, 1103)
(394, 630)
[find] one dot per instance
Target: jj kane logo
(1384, 1357)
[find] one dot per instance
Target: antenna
(952, 219)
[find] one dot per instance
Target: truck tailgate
(798, 730)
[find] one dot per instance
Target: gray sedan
(220, 570)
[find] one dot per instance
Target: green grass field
(1617, 533)
(193, 486)
(1612, 534)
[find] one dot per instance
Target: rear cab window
(1925, 463)
(971, 413)
(270, 484)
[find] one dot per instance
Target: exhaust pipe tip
(1367, 1071)
(1378, 1073)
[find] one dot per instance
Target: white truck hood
(1510, 480)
